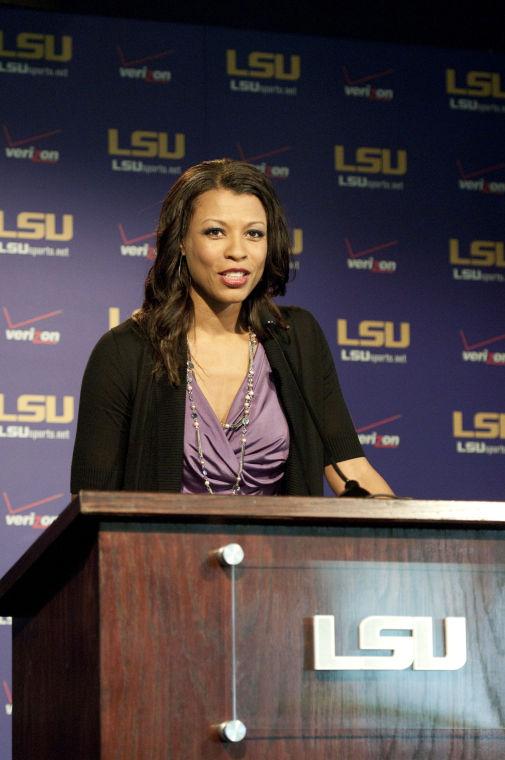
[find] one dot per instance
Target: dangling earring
(180, 264)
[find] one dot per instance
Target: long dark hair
(167, 312)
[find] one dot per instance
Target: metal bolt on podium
(231, 554)
(232, 731)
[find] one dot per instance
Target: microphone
(351, 487)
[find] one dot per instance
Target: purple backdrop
(389, 161)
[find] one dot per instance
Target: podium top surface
(128, 505)
(95, 507)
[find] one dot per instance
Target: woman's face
(226, 246)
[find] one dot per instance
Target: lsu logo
(147, 144)
(264, 66)
(477, 84)
(481, 253)
(36, 225)
(296, 241)
(114, 316)
(32, 46)
(414, 651)
(483, 425)
(38, 408)
(374, 334)
(372, 161)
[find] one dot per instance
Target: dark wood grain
(122, 629)
(291, 508)
(92, 505)
(55, 660)
(164, 645)
(285, 581)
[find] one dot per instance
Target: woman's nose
(236, 249)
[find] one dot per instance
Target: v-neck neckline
(233, 412)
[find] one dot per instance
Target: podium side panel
(55, 660)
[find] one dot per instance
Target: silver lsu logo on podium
(415, 650)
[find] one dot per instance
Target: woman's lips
(234, 278)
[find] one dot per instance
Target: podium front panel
(202, 665)
(456, 686)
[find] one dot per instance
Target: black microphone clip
(354, 490)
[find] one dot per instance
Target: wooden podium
(135, 640)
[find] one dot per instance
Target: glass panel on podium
(426, 682)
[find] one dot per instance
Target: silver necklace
(242, 423)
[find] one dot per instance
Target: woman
(210, 386)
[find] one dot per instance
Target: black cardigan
(130, 430)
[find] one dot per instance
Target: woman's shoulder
(119, 357)
(299, 318)
(304, 331)
(122, 343)
(129, 332)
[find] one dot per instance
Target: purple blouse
(267, 445)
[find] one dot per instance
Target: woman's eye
(256, 234)
(213, 231)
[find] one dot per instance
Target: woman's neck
(215, 319)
